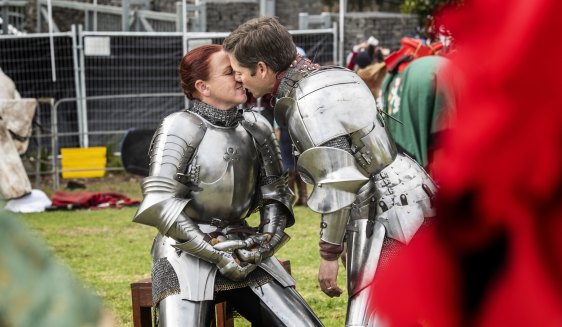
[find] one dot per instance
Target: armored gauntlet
(194, 242)
(274, 221)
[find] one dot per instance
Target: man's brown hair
(261, 39)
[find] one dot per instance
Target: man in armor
(368, 195)
(211, 166)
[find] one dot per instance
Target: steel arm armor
(266, 143)
(172, 147)
(274, 220)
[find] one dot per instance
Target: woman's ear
(201, 87)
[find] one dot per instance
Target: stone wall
(388, 28)
(288, 11)
(225, 16)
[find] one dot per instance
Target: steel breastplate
(225, 171)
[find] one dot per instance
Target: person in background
(211, 166)
(36, 289)
(367, 59)
(365, 54)
(373, 75)
(420, 101)
(366, 193)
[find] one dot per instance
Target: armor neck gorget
(296, 71)
(218, 117)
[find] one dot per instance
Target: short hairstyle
(195, 66)
(262, 39)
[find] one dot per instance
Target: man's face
(260, 83)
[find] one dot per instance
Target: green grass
(107, 252)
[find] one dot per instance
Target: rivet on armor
(383, 206)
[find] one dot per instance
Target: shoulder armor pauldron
(174, 143)
(326, 104)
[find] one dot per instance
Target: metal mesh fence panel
(12, 17)
(109, 117)
(318, 45)
(26, 60)
(134, 63)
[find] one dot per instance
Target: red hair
(195, 66)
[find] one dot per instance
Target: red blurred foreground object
(494, 256)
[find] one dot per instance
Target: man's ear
(263, 69)
(201, 87)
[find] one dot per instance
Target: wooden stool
(141, 295)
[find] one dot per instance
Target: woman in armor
(211, 166)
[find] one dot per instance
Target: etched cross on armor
(231, 154)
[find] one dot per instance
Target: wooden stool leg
(223, 315)
(141, 294)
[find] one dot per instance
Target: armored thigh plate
(363, 253)
(288, 307)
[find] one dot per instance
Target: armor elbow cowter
(164, 200)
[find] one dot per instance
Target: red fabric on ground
(494, 257)
(90, 200)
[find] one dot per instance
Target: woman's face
(224, 92)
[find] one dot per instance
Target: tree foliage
(425, 10)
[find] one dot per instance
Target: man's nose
(238, 78)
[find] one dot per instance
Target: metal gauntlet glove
(274, 221)
(193, 242)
